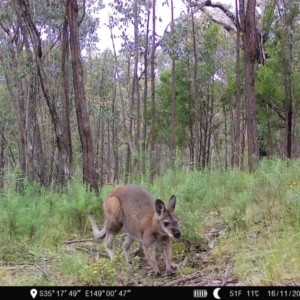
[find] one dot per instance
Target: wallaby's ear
(159, 207)
(172, 203)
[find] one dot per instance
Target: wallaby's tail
(99, 234)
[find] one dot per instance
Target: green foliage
(257, 216)
(184, 105)
(35, 211)
(209, 52)
(23, 214)
(76, 202)
(276, 82)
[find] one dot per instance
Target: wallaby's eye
(166, 224)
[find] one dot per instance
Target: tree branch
(83, 14)
(203, 6)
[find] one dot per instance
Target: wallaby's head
(166, 218)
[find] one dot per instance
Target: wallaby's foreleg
(149, 252)
(167, 253)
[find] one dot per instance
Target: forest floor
(198, 268)
(204, 272)
(237, 229)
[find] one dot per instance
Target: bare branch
(204, 6)
(37, 35)
(129, 142)
(219, 20)
(83, 14)
(5, 29)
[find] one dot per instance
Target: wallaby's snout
(176, 233)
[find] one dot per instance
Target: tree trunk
(36, 164)
(131, 113)
(145, 92)
(152, 63)
(173, 94)
(250, 50)
(288, 81)
(2, 162)
(237, 124)
(88, 156)
(196, 100)
(65, 87)
(115, 138)
(135, 88)
(102, 149)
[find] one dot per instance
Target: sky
(162, 11)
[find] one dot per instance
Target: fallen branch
(16, 267)
(181, 279)
(42, 271)
(83, 249)
(225, 276)
(78, 241)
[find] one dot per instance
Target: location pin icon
(33, 293)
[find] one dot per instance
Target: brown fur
(132, 208)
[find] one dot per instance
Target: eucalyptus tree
(7, 131)
(197, 103)
(184, 102)
(236, 160)
(253, 52)
(173, 94)
(152, 72)
(288, 13)
(104, 112)
(199, 83)
(35, 43)
(277, 83)
(134, 16)
(89, 164)
(20, 76)
(247, 24)
(34, 26)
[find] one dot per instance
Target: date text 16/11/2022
(272, 293)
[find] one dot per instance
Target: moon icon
(215, 293)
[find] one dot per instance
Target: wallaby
(132, 208)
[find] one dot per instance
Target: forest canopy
(218, 89)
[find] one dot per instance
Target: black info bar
(155, 293)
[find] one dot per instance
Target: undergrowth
(256, 216)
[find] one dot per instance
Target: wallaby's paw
(173, 266)
(171, 274)
(156, 273)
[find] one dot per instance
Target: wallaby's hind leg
(109, 239)
(126, 246)
(113, 222)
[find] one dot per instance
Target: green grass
(248, 222)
